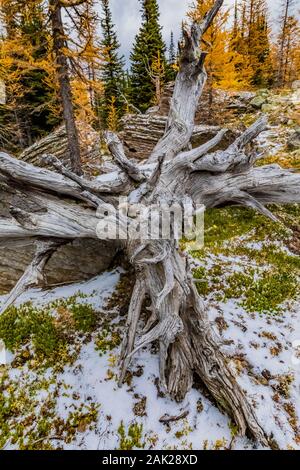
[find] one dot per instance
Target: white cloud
(127, 17)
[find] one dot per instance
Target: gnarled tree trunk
(60, 206)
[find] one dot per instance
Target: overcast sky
(127, 17)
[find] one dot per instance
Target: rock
(244, 96)
(258, 101)
(239, 102)
(294, 140)
(56, 143)
(75, 262)
(238, 106)
(263, 92)
(141, 133)
(236, 102)
(295, 98)
(296, 85)
(284, 120)
(153, 110)
(267, 108)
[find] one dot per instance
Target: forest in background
(60, 61)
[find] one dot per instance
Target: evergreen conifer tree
(172, 53)
(173, 62)
(112, 75)
(148, 47)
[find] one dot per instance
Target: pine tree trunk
(64, 84)
(281, 72)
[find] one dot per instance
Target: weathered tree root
(187, 343)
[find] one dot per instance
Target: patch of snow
(107, 177)
(253, 336)
(97, 290)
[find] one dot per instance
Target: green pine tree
(172, 53)
(148, 47)
(37, 95)
(173, 62)
(112, 74)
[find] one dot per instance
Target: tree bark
(59, 44)
(282, 60)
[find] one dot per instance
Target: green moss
(285, 158)
(268, 254)
(85, 317)
(238, 285)
(132, 438)
(256, 291)
(265, 295)
(18, 411)
(270, 292)
(234, 430)
(185, 431)
(268, 274)
(25, 324)
(108, 339)
(83, 314)
(227, 224)
(44, 334)
(43, 337)
(82, 418)
(209, 280)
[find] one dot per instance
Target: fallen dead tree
(51, 208)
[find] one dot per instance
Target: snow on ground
(97, 291)
(88, 381)
(247, 339)
(262, 353)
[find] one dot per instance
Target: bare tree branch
(34, 273)
(115, 146)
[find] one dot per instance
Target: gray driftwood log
(58, 207)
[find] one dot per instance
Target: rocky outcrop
(75, 262)
(56, 143)
(210, 104)
(141, 132)
(260, 99)
(294, 140)
(296, 85)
